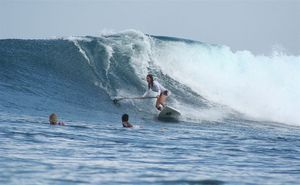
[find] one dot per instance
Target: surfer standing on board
(163, 93)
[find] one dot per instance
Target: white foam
(263, 87)
(81, 51)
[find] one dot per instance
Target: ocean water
(240, 120)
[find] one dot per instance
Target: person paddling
(155, 86)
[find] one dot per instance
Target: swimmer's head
(125, 117)
(53, 118)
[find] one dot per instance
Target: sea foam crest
(263, 87)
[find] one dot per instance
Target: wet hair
(150, 84)
(53, 118)
(125, 117)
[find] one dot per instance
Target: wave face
(208, 82)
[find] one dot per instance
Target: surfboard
(169, 114)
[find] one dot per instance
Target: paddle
(117, 99)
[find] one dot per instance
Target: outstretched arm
(146, 93)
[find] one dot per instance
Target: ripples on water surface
(33, 152)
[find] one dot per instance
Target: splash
(262, 87)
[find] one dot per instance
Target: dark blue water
(77, 79)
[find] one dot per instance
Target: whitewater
(239, 125)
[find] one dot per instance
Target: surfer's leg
(162, 100)
(157, 105)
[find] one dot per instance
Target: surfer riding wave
(155, 86)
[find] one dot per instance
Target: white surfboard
(169, 114)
